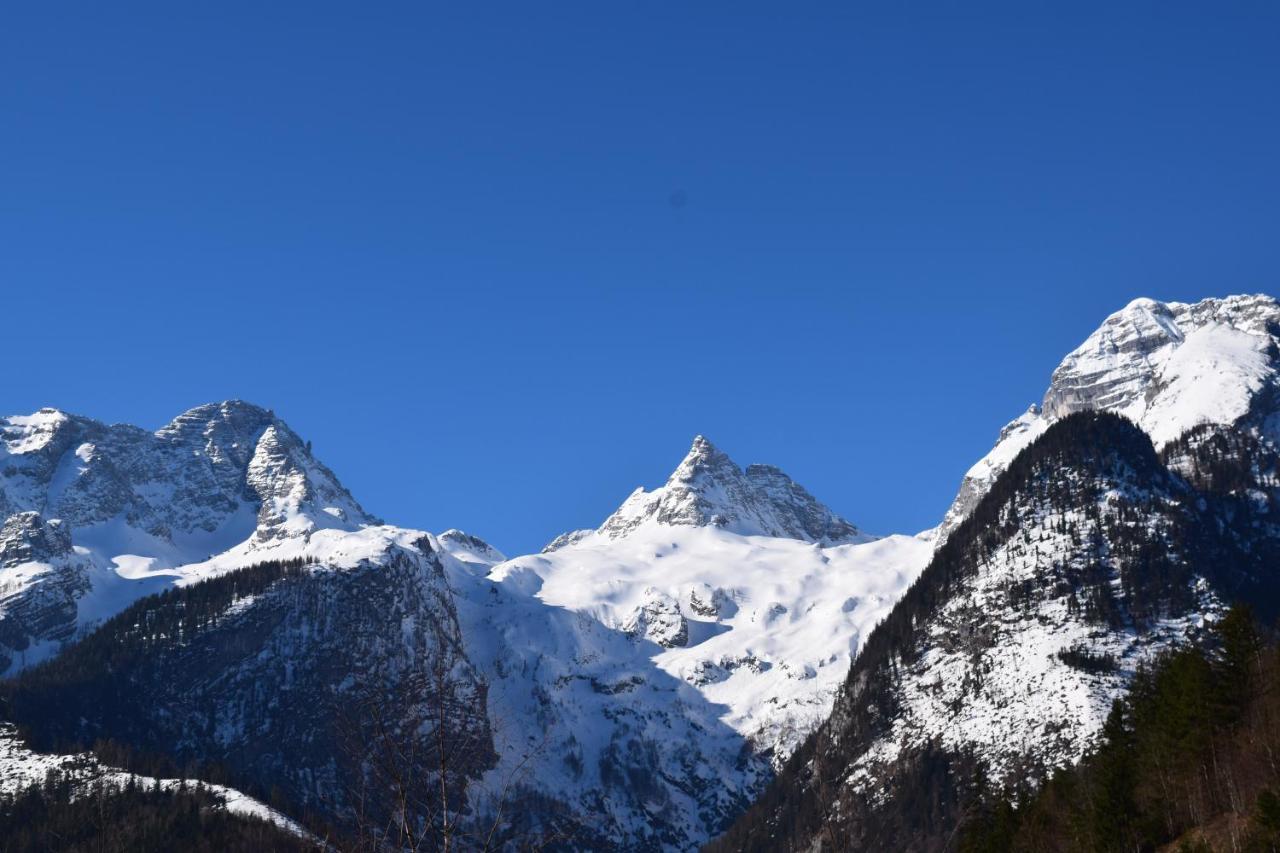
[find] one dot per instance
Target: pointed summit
(211, 466)
(703, 459)
(708, 489)
(702, 448)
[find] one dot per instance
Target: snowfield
(764, 627)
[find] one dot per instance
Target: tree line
(1190, 757)
(65, 814)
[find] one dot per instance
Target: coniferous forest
(62, 815)
(1188, 761)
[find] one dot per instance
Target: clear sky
(500, 262)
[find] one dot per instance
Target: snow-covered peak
(220, 425)
(472, 552)
(702, 455)
(21, 434)
(1151, 361)
(223, 478)
(1167, 366)
(708, 489)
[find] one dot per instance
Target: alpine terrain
(1113, 522)
(208, 599)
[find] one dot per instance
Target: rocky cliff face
(1166, 366)
(41, 579)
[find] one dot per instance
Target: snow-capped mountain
(120, 512)
(1089, 555)
(226, 468)
(1085, 544)
(637, 685)
(729, 582)
(1167, 366)
(261, 673)
(632, 689)
(709, 490)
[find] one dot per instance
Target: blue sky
(501, 262)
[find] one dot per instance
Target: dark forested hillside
(1187, 758)
(1089, 532)
(271, 679)
(131, 818)
(101, 671)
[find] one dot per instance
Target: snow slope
(764, 626)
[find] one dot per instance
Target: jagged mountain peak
(703, 449)
(193, 474)
(709, 489)
(704, 459)
(220, 476)
(1168, 367)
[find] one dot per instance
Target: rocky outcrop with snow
(1167, 366)
(709, 490)
(470, 551)
(41, 580)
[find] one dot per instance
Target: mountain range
(724, 656)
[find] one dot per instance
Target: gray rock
(41, 579)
